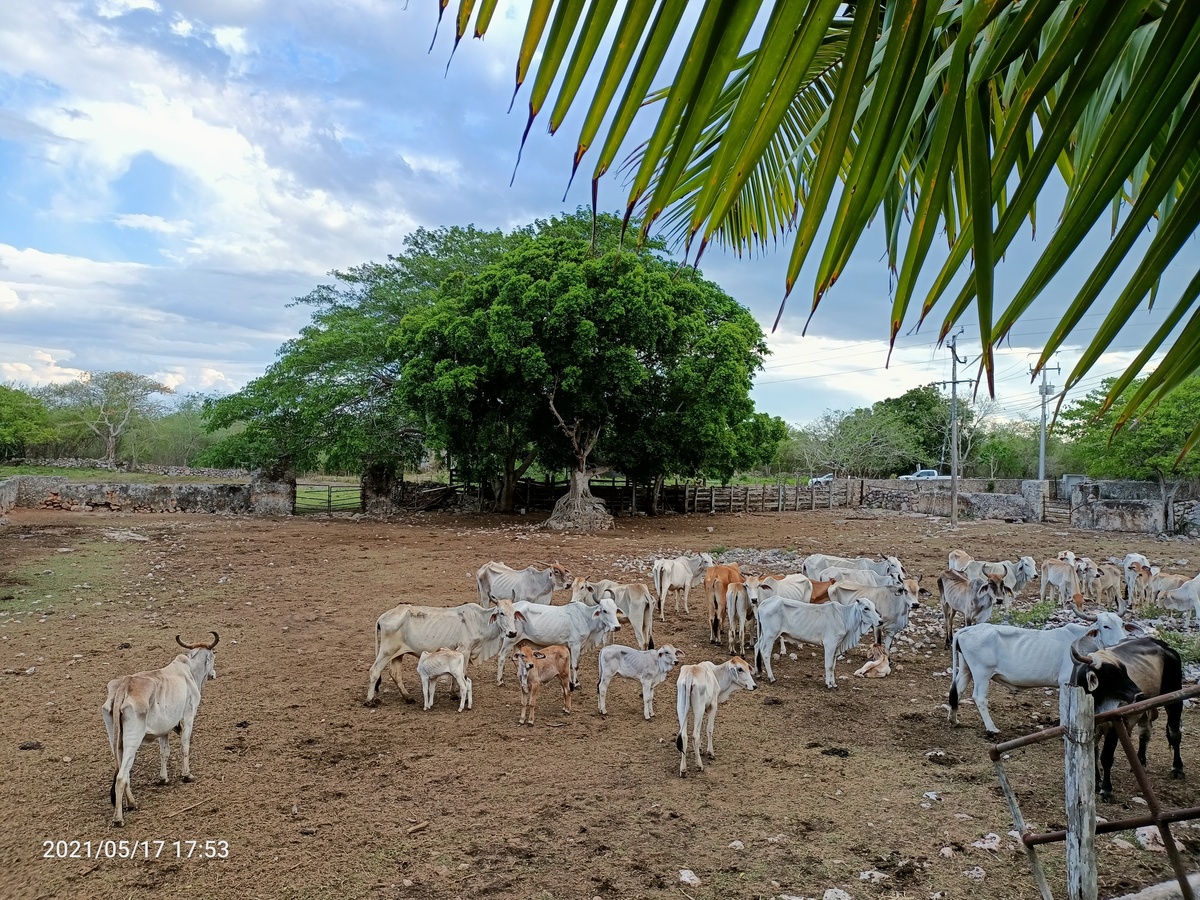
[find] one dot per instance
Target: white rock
(736, 845)
(1121, 844)
(872, 876)
(931, 795)
(946, 852)
(1150, 839)
(990, 841)
(687, 876)
(975, 873)
(777, 839)
(836, 894)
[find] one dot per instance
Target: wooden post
(1019, 821)
(812, 495)
(712, 499)
(633, 498)
(831, 495)
(1077, 713)
(329, 499)
(780, 490)
(848, 493)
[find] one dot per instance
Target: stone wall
(56, 492)
(933, 499)
(8, 494)
(171, 471)
(1187, 517)
(971, 485)
(1143, 516)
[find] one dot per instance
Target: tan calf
(536, 666)
(717, 580)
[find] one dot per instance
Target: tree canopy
(24, 421)
(936, 117)
(106, 404)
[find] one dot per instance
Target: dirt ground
(318, 796)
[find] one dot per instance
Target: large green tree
(1149, 445)
(24, 421)
(588, 361)
(106, 404)
(936, 117)
(330, 400)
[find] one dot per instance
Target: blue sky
(174, 174)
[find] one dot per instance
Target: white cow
(1133, 588)
(650, 667)
(893, 603)
(972, 598)
(702, 688)
(796, 586)
(1185, 599)
(495, 579)
(858, 576)
(1060, 575)
(1161, 582)
(682, 572)
(885, 565)
(1022, 657)
(575, 625)
(835, 626)
(475, 632)
(1015, 574)
(153, 704)
(434, 664)
(634, 600)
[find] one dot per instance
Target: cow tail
(118, 747)
(953, 699)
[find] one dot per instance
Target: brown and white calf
(1061, 576)
(536, 666)
(717, 580)
(153, 704)
(444, 662)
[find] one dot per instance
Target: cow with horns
(153, 704)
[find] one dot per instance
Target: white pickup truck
(925, 475)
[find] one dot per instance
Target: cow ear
(494, 616)
(1093, 680)
(1094, 633)
(539, 655)
(519, 616)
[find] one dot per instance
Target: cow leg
(647, 700)
(574, 650)
(133, 733)
(185, 743)
(712, 724)
(948, 615)
(375, 679)
(687, 589)
(1106, 763)
(648, 625)
(762, 655)
(566, 689)
(830, 660)
(602, 691)
(1175, 736)
(697, 722)
(164, 754)
(1143, 738)
(534, 687)
(506, 650)
(395, 669)
(524, 706)
(681, 709)
(470, 693)
(980, 696)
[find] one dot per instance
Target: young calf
(701, 688)
(536, 666)
(879, 666)
(650, 667)
(435, 664)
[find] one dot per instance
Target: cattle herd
(832, 602)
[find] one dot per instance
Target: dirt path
(320, 797)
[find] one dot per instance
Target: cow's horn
(1080, 657)
(216, 640)
(180, 642)
(1086, 616)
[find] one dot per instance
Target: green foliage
(937, 117)
(1147, 446)
(558, 352)
(104, 404)
(923, 414)
(1036, 616)
(1187, 645)
(329, 400)
(24, 421)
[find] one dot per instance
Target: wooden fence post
(848, 493)
(831, 495)
(812, 495)
(329, 499)
(712, 499)
(1077, 713)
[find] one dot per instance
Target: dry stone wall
(56, 492)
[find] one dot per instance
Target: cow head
(505, 616)
(1027, 568)
(894, 569)
(1068, 557)
(743, 676)
(754, 586)
(868, 612)
(912, 591)
(667, 657)
(606, 614)
(562, 577)
(201, 658)
(1105, 677)
(583, 592)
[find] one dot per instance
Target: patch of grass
(1153, 611)
(1034, 617)
(57, 581)
(1187, 645)
(717, 550)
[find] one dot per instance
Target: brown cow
(717, 580)
(536, 666)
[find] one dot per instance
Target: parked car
(922, 474)
(822, 479)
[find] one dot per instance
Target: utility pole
(954, 383)
(1046, 390)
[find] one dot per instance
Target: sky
(174, 174)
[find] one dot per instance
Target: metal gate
(328, 498)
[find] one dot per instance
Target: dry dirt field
(320, 797)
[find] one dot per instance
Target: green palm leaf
(933, 115)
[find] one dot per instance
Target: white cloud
(151, 223)
(111, 9)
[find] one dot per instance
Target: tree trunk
(514, 470)
(110, 450)
(656, 494)
(579, 510)
(377, 483)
